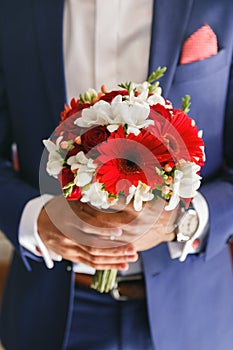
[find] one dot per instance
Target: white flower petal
(132, 190)
(55, 160)
(83, 178)
(85, 168)
(96, 196)
(112, 127)
(156, 98)
(98, 114)
(174, 200)
(141, 193)
(186, 183)
(133, 130)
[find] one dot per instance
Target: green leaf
(68, 188)
(82, 100)
(159, 171)
(125, 86)
(157, 74)
(186, 103)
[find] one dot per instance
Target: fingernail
(132, 257)
(124, 267)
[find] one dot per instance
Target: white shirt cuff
(28, 232)
(181, 250)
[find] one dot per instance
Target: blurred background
(5, 255)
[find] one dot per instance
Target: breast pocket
(202, 68)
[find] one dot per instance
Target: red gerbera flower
(75, 107)
(126, 160)
(179, 134)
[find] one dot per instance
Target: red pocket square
(200, 45)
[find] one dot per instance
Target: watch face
(188, 224)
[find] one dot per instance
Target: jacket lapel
(48, 19)
(170, 19)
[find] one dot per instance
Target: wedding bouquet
(127, 143)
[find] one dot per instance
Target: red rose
(93, 137)
(66, 176)
(76, 148)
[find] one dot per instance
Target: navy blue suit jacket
(190, 304)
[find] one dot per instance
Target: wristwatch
(187, 224)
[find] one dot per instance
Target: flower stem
(104, 280)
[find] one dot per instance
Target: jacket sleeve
(14, 191)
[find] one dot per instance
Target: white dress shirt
(104, 42)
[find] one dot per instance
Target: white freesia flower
(156, 98)
(55, 160)
(96, 196)
(143, 92)
(117, 113)
(84, 166)
(141, 193)
(186, 183)
(134, 115)
(98, 114)
(141, 87)
(140, 99)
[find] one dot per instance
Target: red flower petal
(126, 160)
(178, 135)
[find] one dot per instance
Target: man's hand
(61, 230)
(104, 239)
(162, 230)
(149, 227)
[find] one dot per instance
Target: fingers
(118, 258)
(68, 217)
(88, 226)
(73, 216)
(104, 219)
(98, 258)
(80, 233)
(100, 223)
(169, 237)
